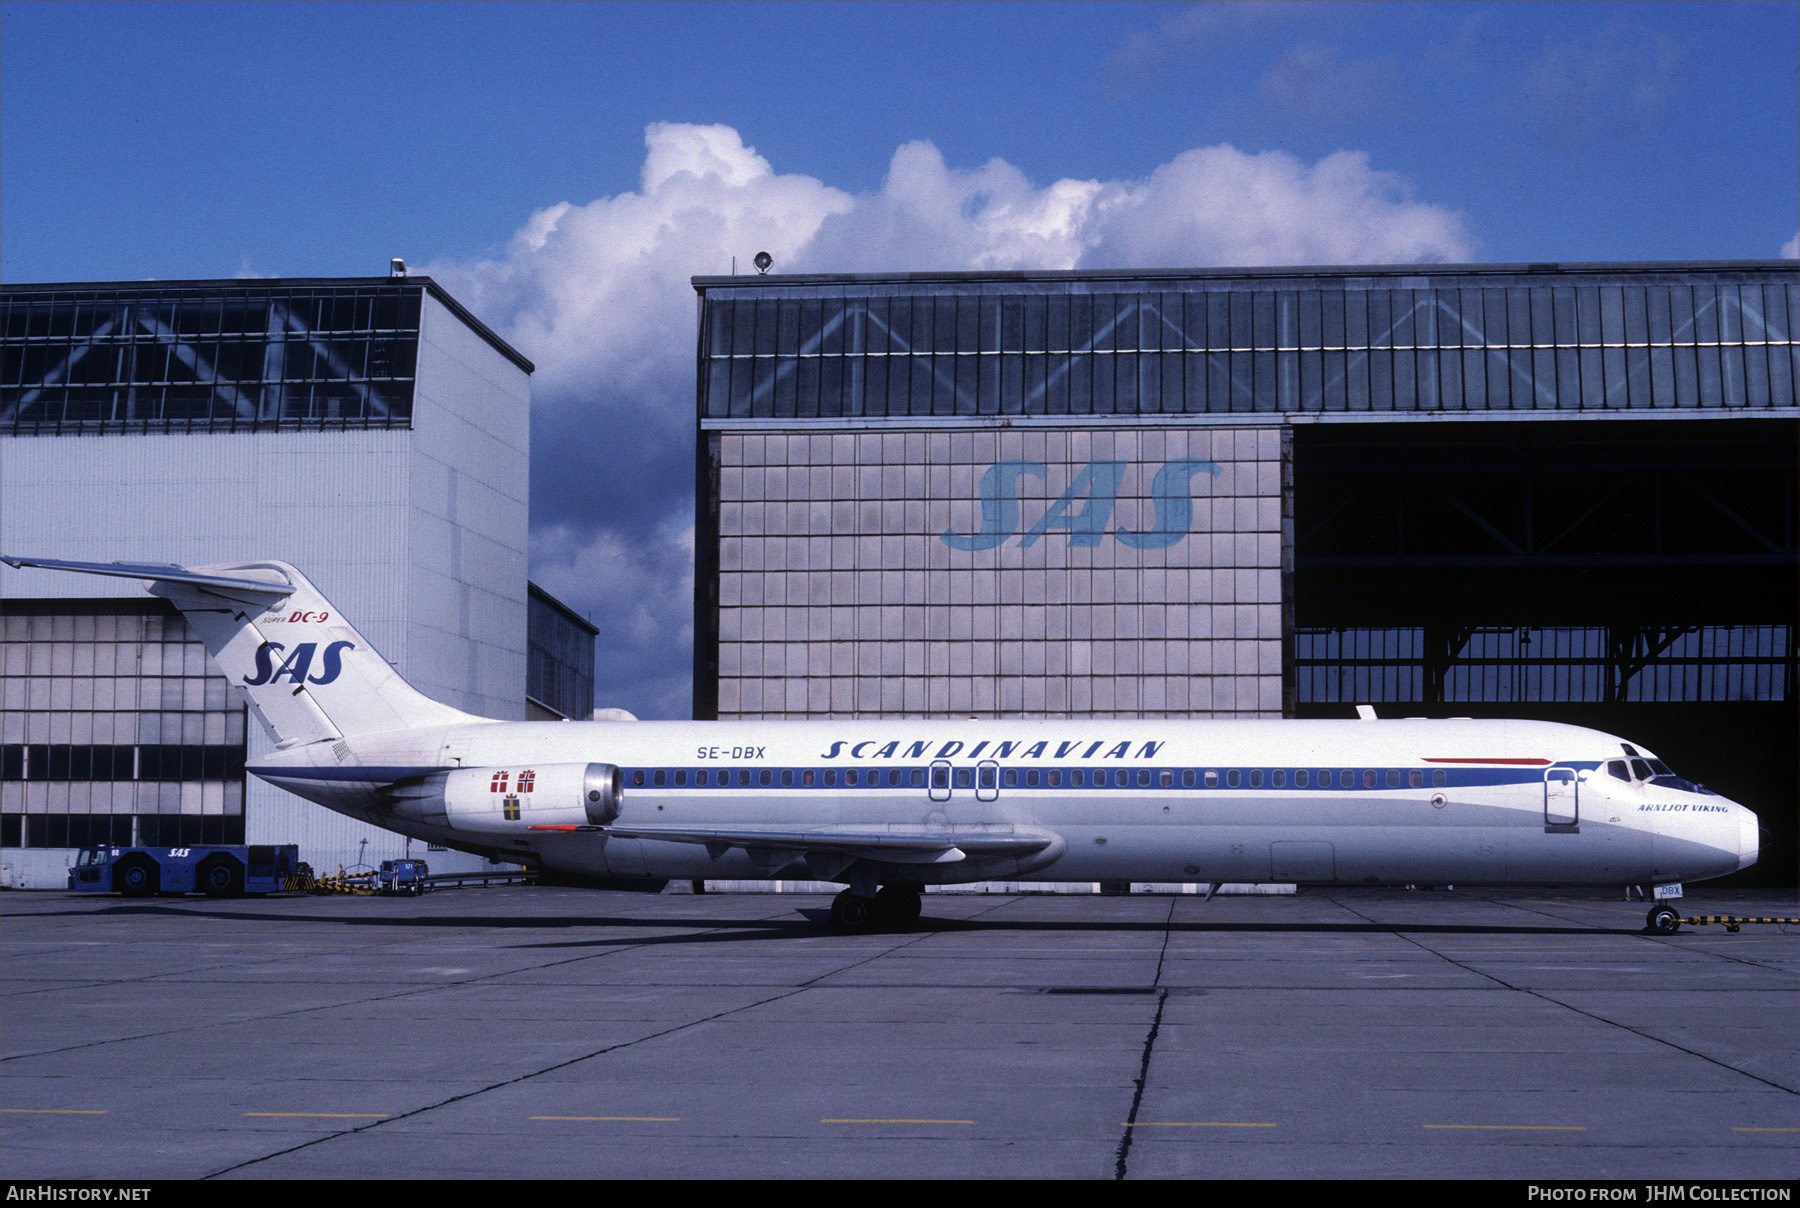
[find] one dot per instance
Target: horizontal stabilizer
(262, 591)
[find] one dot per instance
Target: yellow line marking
(326, 1115)
(1516, 1127)
(1765, 1130)
(641, 1119)
(1193, 1124)
(841, 1121)
(52, 1111)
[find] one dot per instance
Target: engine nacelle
(510, 801)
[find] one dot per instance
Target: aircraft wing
(894, 845)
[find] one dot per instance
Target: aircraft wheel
(1664, 920)
(851, 913)
(899, 903)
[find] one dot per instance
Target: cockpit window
(1617, 770)
(1640, 769)
(1660, 768)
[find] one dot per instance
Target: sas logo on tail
(296, 665)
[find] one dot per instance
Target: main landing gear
(892, 904)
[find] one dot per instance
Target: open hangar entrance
(1633, 575)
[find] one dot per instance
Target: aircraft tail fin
(305, 671)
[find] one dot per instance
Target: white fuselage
(1345, 802)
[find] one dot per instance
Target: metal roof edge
(1315, 270)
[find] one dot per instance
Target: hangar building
(371, 431)
(1564, 491)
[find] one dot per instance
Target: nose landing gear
(1663, 920)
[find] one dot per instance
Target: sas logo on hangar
(1096, 489)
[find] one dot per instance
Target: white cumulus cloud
(599, 296)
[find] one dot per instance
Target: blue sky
(564, 168)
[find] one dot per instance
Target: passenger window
(681, 776)
(765, 777)
(1232, 777)
(965, 777)
(1393, 779)
(1302, 777)
(1143, 778)
(1078, 778)
(1012, 778)
(1031, 778)
(1278, 778)
(1438, 779)
(1369, 779)
(1168, 779)
(1212, 779)
(987, 777)
(1187, 778)
(918, 778)
(1347, 779)
(940, 778)
(806, 777)
(1415, 778)
(637, 778)
(1256, 778)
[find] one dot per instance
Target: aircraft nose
(1749, 838)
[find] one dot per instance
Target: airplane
(887, 807)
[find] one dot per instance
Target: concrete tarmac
(526, 1032)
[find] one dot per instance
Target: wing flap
(886, 844)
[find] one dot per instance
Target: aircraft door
(1562, 801)
(940, 780)
(987, 781)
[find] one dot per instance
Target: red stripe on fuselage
(1529, 763)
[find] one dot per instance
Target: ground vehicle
(218, 871)
(403, 876)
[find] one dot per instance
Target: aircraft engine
(513, 800)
